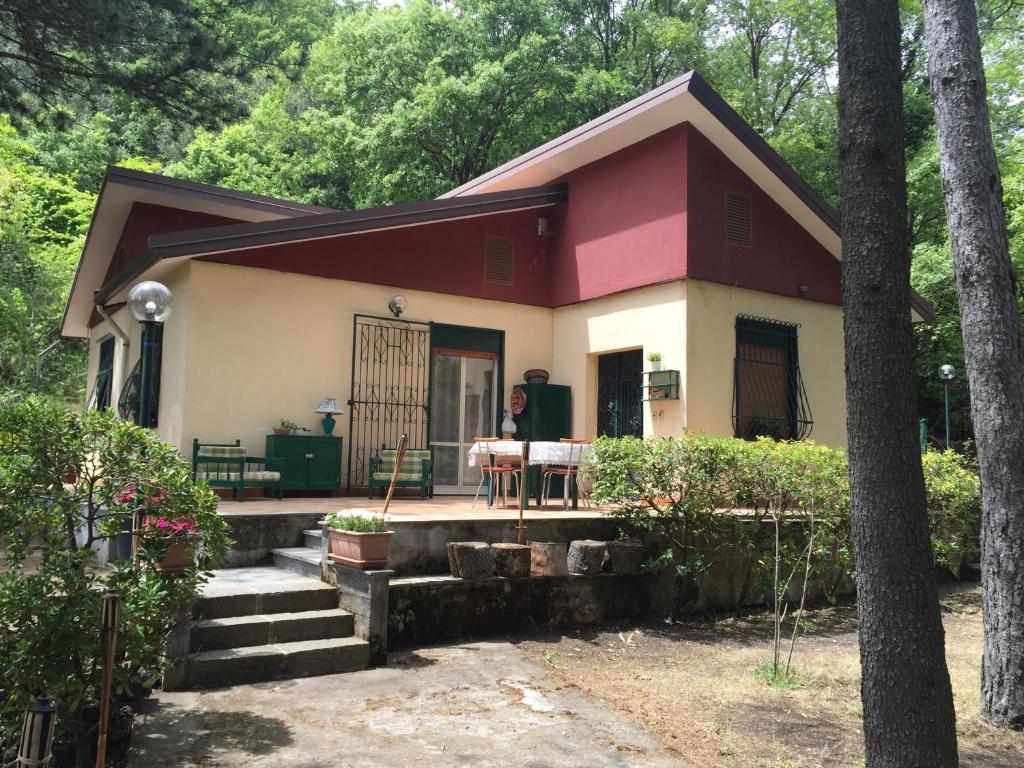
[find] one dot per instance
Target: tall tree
(986, 285)
(907, 698)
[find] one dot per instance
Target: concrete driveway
(477, 704)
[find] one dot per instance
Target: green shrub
(354, 523)
(954, 505)
(70, 481)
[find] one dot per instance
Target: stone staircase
(265, 623)
(304, 560)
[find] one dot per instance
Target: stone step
(313, 538)
(301, 560)
(269, 628)
(292, 593)
(276, 661)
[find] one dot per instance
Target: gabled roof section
(690, 99)
(166, 250)
(121, 189)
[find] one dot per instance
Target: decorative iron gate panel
(390, 389)
(620, 394)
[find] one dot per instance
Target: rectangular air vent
(737, 220)
(499, 256)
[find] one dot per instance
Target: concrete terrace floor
(405, 509)
(477, 704)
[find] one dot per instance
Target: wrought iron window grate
(128, 403)
(769, 398)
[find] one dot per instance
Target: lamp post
(151, 304)
(947, 373)
(37, 734)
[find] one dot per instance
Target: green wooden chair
(416, 470)
(225, 465)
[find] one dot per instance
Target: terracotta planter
(282, 431)
(365, 551)
(178, 558)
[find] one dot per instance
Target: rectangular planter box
(360, 550)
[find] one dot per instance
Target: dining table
(541, 453)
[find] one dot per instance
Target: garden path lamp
(109, 612)
(947, 373)
(151, 303)
(37, 734)
(328, 408)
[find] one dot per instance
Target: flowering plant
(165, 527)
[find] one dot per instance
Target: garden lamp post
(151, 303)
(947, 373)
(37, 734)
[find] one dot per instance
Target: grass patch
(777, 678)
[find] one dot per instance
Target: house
(666, 225)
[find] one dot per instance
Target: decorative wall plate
(518, 400)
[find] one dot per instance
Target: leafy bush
(355, 523)
(69, 483)
(954, 505)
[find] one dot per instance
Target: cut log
(586, 557)
(626, 556)
(470, 559)
(511, 560)
(548, 558)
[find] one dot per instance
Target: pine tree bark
(905, 689)
(993, 350)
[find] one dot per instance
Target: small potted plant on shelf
(654, 358)
(288, 427)
(359, 540)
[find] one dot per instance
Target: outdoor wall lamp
(397, 304)
(151, 303)
(947, 373)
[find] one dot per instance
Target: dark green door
(293, 449)
(323, 469)
(620, 394)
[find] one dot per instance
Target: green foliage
(777, 678)
(69, 482)
(355, 523)
(954, 505)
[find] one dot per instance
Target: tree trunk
(986, 289)
(905, 690)
(548, 558)
(511, 560)
(586, 557)
(470, 559)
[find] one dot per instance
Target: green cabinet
(311, 462)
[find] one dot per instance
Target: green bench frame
(425, 482)
(240, 464)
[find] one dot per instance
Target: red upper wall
(444, 257)
(626, 221)
(783, 255)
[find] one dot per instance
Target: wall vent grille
(737, 226)
(499, 255)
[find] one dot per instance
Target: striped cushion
(206, 451)
(263, 475)
(386, 476)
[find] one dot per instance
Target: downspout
(123, 338)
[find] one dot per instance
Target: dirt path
(693, 685)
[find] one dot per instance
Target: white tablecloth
(541, 451)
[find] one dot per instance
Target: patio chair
(497, 474)
(225, 465)
(568, 472)
(415, 471)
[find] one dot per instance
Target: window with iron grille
(104, 383)
(768, 393)
(128, 403)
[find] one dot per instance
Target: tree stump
(470, 559)
(547, 558)
(626, 556)
(511, 560)
(586, 557)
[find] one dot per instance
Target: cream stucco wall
(711, 320)
(652, 319)
(265, 345)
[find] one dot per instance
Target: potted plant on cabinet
(359, 540)
(288, 427)
(654, 358)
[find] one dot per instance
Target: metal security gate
(620, 394)
(390, 389)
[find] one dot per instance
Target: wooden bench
(416, 471)
(225, 465)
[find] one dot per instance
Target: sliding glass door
(463, 399)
